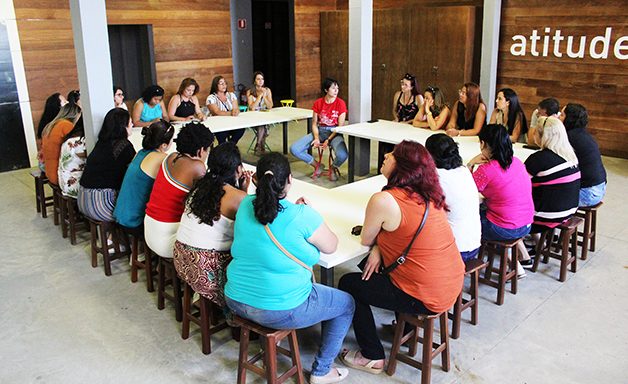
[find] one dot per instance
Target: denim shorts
(592, 195)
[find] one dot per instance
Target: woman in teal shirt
(265, 286)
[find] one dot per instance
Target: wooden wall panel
(598, 84)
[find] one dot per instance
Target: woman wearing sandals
(273, 288)
(431, 277)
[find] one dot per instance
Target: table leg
(351, 158)
(309, 130)
(285, 137)
(327, 276)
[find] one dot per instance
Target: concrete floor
(63, 321)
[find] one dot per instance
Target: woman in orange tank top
(430, 279)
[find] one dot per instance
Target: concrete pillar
(360, 74)
(93, 62)
(490, 49)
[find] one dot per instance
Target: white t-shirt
(461, 195)
(218, 236)
(225, 107)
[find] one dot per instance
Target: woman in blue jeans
(266, 286)
(329, 112)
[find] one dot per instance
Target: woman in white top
(202, 250)
(223, 103)
(260, 99)
(118, 97)
(461, 194)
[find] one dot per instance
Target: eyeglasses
(222, 83)
(462, 93)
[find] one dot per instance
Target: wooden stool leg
(187, 311)
(135, 249)
(205, 334)
(105, 248)
(392, 364)
(64, 214)
(161, 284)
(244, 355)
(473, 290)
(270, 359)
(586, 234)
(428, 339)
(176, 285)
(296, 357)
(148, 266)
(574, 251)
(503, 268)
(444, 340)
(94, 233)
(593, 230)
(514, 280)
(456, 318)
(564, 255)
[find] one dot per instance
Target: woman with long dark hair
(431, 277)
(260, 98)
(508, 112)
(406, 103)
(266, 286)
(221, 102)
(468, 115)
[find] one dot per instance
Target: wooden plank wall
(601, 85)
(191, 38)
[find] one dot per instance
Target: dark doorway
(273, 46)
(13, 151)
(132, 58)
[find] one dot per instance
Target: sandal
(348, 359)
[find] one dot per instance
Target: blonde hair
(554, 137)
(70, 112)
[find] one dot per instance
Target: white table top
(394, 133)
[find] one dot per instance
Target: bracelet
(458, 133)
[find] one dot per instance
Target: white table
(256, 118)
(391, 132)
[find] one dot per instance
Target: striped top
(166, 199)
(555, 187)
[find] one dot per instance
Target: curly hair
(497, 138)
(156, 134)
(415, 172)
(193, 137)
(444, 151)
(273, 170)
(203, 201)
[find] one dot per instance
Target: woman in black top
(184, 105)
(468, 115)
(406, 103)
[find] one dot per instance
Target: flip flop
(348, 359)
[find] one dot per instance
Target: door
(335, 49)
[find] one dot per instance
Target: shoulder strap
(285, 251)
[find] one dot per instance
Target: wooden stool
(500, 248)
(473, 268)
(146, 265)
(57, 196)
(71, 218)
(269, 352)
(42, 202)
(430, 349)
(330, 170)
(204, 318)
(175, 281)
(568, 230)
(102, 228)
(589, 214)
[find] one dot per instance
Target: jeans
(380, 292)
(328, 305)
(491, 231)
(299, 148)
(468, 255)
(592, 195)
(233, 135)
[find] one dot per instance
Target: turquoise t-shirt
(134, 193)
(150, 114)
(261, 275)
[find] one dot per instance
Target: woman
(106, 166)
(461, 194)
(72, 160)
(52, 138)
(140, 177)
(53, 105)
(223, 103)
(593, 182)
(260, 98)
(203, 247)
(508, 112)
(505, 184)
(184, 105)
(547, 107)
(150, 108)
(469, 113)
(434, 114)
(118, 97)
(329, 112)
(555, 177)
(265, 286)
(74, 97)
(406, 103)
(177, 174)
(431, 278)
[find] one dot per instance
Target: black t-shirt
(588, 153)
(107, 164)
(461, 124)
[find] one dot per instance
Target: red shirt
(328, 113)
(166, 199)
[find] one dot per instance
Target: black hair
(51, 110)
(214, 88)
(77, 131)
(327, 83)
(156, 134)
(116, 89)
(497, 138)
(514, 110)
(273, 170)
(151, 91)
(550, 105)
(253, 87)
(74, 96)
(444, 151)
(114, 125)
(193, 137)
(576, 116)
(204, 199)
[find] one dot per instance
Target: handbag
(401, 259)
(272, 237)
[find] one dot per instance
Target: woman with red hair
(468, 115)
(431, 277)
